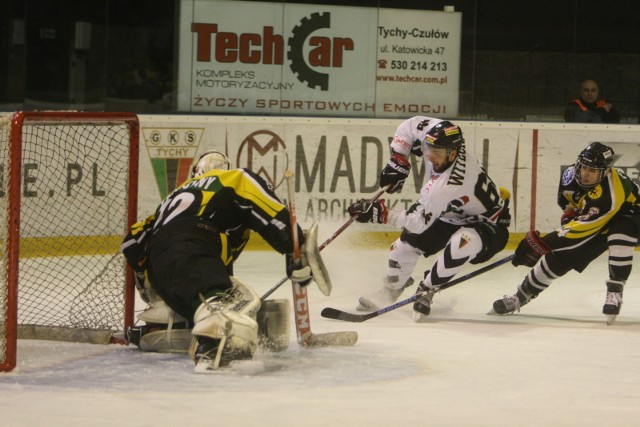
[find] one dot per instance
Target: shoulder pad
(567, 175)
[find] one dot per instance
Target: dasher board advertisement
(294, 59)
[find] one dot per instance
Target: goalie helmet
(596, 156)
(445, 135)
(207, 161)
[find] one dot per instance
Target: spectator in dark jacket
(589, 108)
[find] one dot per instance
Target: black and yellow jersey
(228, 203)
(616, 195)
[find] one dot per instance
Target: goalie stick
(324, 244)
(334, 313)
(305, 337)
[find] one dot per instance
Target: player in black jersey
(601, 210)
(187, 250)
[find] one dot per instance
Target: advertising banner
(238, 57)
(338, 161)
(418, 63)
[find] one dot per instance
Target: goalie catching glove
(530, 249)
(395, 173)
(366, 211)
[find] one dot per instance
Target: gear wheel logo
(304, 73)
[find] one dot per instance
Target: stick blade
(335, 314)
(345, 338)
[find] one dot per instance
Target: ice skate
(509, 303)
(422, 305)
(381, 298)
(613, 302)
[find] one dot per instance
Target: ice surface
(556, 363)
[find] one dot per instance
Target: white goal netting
(74, 211)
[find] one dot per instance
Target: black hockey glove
(530, 249)
(296, 272)
(505, 216)
(395, 173)
(369, 211)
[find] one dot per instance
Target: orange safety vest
(599, 104)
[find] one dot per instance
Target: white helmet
(207, 161)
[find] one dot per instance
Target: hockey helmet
(207, 161)
(445, 135)
(596, 156)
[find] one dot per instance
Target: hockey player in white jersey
(460, 212)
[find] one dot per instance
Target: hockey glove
(530, 250)
(369, 211)
(297, 273)
(505, 216)
(395, 173)
(568, 215)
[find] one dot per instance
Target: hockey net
(68, 193)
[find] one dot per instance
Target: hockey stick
(305, 337)
(324, 244)
(333, 313)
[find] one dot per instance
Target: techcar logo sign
(304, 50)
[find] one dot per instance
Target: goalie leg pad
(246, 300)
(314, 261)
(225, 330)
(159, 312)
(166, 341)
(165, 330)
(240, 330)
(273, 324)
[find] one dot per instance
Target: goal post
(68, 195)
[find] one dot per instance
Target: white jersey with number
(410, 135)
(462, 194)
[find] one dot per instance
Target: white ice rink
(555, 364)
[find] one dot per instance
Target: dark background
(521, 60)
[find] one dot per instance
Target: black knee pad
(494, 239)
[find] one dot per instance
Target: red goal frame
(13, 193)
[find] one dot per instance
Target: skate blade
(611, 319)
(418, 317)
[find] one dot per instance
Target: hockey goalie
(183, 256)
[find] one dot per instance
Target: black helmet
(596, 156)
(445, 135)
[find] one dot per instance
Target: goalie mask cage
(68, 195)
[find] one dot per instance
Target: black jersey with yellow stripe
(228, 203)
(616, 195)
